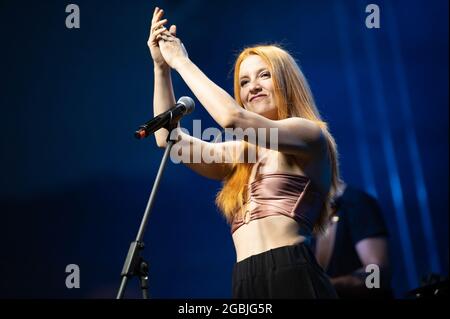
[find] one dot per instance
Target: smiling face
(256, 87)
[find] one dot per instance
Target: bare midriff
(266, 233)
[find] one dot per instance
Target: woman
(273, 204)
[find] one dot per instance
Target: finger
(158, 32)
(158, 13)
(158, 25)
(173, 29)
(170, 35)
(161, 40)
(165, 37)
(155, 13)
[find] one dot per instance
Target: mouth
(257, 97)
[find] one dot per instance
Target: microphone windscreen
(188, 103)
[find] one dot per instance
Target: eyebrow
(257, 72)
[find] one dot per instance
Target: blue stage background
(75, 181)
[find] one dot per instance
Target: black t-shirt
(359, 218)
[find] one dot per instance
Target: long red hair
(293, 97)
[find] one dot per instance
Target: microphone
(184, 106)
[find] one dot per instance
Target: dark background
(75, 182)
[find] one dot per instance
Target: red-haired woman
(274, 203)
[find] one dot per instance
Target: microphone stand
(135, 264)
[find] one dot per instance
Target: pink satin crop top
(282, 193)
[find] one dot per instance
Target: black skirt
(288, 272)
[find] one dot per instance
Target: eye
(244, 82)
(265, 74)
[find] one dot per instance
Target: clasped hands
(166, 49)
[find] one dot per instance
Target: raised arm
(295, 135)
(163, 96)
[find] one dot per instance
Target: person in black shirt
(357, 237)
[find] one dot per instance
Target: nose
(254, 87)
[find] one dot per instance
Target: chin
(265, 109)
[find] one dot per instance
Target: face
(256, 87)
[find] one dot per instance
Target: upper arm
(373, 250)
(367, 228)
(294, 135)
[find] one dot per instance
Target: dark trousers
(288, 272)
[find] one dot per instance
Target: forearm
(204, 158)
(163, 99)
(350, 281)
(350, 286)
(220, 105)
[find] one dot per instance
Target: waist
(283, 256)
(261, 235)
